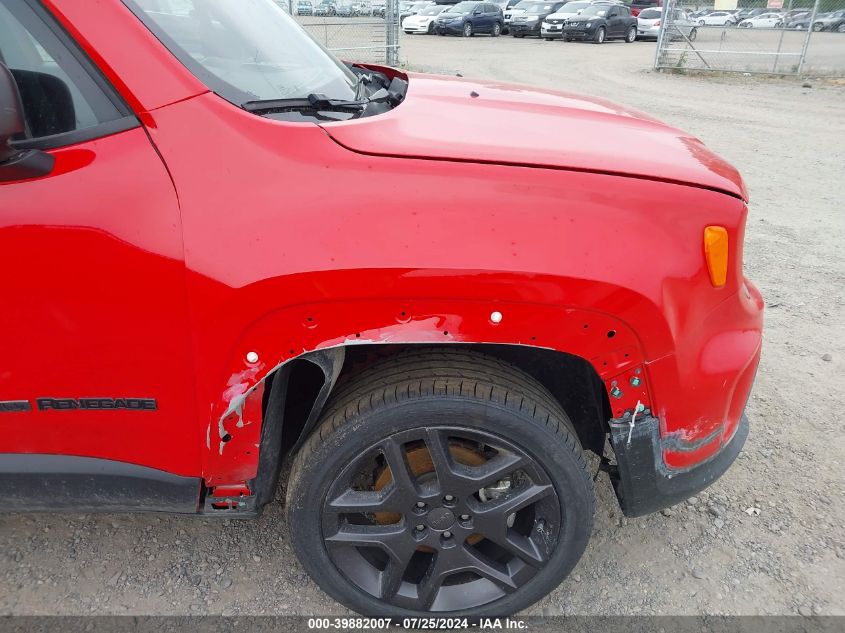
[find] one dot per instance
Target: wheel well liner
(298, 391)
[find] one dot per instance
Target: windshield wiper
(319, 102)
(313, 101)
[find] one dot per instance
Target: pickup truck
(224, 250)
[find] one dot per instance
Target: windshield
(524, 4)
(595, 9)
(650, 14)
(463, 7)
(573, 7)
(540, 9)
(419, 5)
(249, 50)
(431, 10)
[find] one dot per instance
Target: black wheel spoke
(392, 539)
(512, 502)
(495, 572)
(432, 581)
(391, 578)
(525, 547)
(491, 471)
(394, 454)
(362, 501)
(437, 443)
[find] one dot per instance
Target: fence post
(660, 34)
(807, 39)
(391, 24)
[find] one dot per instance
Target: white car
(681, 26)
(717, 18)
(552, 26)
(763, 21)
(423, 22)
(518, 9)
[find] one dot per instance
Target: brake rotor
(420, 464)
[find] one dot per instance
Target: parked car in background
(423, 22)
(802, 23)
(717, 18)
(304, 7)
(834, 21)
(744, 14)
(325, 8)
(793, 21)
(530, 22)
(379, 8)
(640, 5)
(346, 9)
(601, 22)
(469, 18)
(517, 9)
(682, 25)
(409, 9)
(763, 21)
(363, 7)
(552, 26)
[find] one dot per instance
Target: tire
(600, 35)
(818, 26)
(394, 413)
(467, 30)
(701, 23)
(841, 28)
(632, 35)
(548, 39)
(430, 28)
(692, 35)
(497, 30)
(567, 39)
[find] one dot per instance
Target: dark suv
(469, 18)
(529, 23)
(600, 22)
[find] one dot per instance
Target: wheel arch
(303, 340)
(297, 393)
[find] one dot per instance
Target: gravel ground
(706, 556)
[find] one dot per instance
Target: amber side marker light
(716, 254)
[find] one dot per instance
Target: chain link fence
(354, 30)
(777, 37)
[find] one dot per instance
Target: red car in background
(639, 5)
(223, 248)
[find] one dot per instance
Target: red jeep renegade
(222, 249)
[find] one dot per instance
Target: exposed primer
(221, 427)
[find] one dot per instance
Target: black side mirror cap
(17, 163)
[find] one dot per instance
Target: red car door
(94, 351)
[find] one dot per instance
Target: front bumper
(552, 31)
(642, 481)
(523, 28)
(450, 27)
(578, 33)
(416, 28)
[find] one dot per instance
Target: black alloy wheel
(440, 482)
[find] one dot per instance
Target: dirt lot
(706, 556)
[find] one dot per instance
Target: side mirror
(17, 163)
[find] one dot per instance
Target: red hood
(441, 119)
